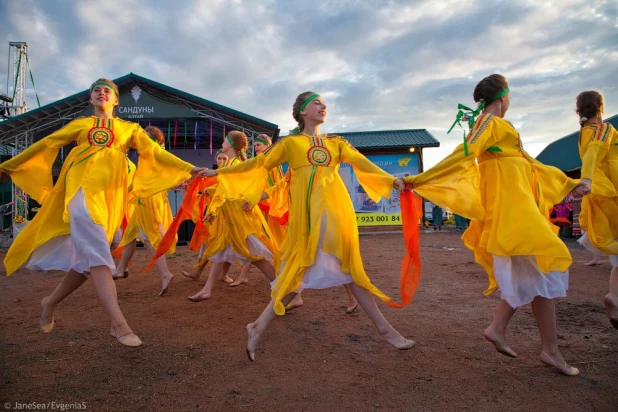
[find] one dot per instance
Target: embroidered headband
(467, 113)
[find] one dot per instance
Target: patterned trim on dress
(479, 127)
(604, 132)
(101, 134)
(271, 147)
(318, 154)
(232, 161)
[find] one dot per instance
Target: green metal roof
(8, 126)
(564, 153)
(388, 139)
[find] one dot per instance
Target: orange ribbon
(185, 212)
(411, 212)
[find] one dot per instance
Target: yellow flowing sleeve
(598, 147)
(279, 198)
(453, 184)
(376, 182)
(31, 170)
(554, 185)
(249, 179)
(157, 169)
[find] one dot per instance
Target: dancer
(73, 230)
(321, 248)
(278, 185)
(598, 149)
(236, 236)
(523, 257)
(221, 159)
(151, 218)
(260, 144)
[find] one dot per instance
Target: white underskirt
(118, 236)
(326, 269)
(585, 242)
(84, 248)
(255, 246)
(520, 280)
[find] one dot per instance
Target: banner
(387, 212)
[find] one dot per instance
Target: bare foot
(499, 342)
(120, 274)
(226, 279)
(297, 302)
(593, 262)
(128, 339)
(238, 282)
(559, 363)
(398, 341)
(166, 283)
(352, 307)
(611, 307)
(252, 339)
(46, 324)
(195, 276)
(200, 296)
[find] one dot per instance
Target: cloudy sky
(379, 64)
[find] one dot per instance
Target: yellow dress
(130, 206)
(275, 176)
(598, 149)
(508, 195)
(151, 218)
(322, 233)
(95, 169)
(236, 236)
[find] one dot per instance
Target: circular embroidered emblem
(319, 156)
(100, 136)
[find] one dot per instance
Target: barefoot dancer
(149, 221)
(523, 256)
(275, 176)
(73, 230)
(236, 235)
(221, 158)
(321, 247)
(260, 144)
(598, 148)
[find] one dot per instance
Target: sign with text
(136, 103)
(386, 212)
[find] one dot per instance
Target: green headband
(219, 152)
(471, 114)
(231, 142)
(306, 102)
(102, 83)
(263, 141)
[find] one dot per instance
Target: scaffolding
(17, 78)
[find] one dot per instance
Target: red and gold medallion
(101, 134)
(318, 154)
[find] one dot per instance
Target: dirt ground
(314, 358)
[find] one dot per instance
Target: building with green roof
(564, 153)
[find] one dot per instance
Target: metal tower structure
(20, 73)
(17, 78)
